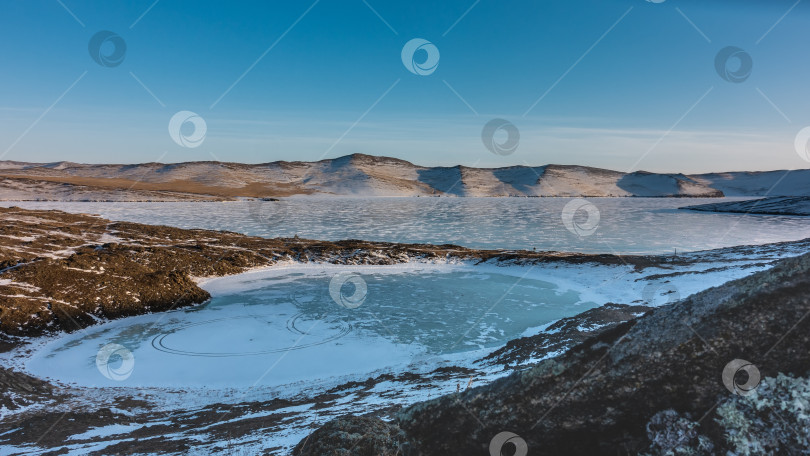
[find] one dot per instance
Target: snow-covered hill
(776, 205)
(759, 183)
(365, 175)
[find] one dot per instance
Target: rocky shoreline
(652, 384)
(63, 272)
(53, 261)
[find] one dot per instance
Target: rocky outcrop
(563, 334)
(600, 397)
(19, 390)
(353, 436)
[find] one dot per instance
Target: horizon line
(358, 154)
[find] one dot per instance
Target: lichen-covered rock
(775, 419)
(353, 436)
(671, 434)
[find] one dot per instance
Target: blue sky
(618, 84)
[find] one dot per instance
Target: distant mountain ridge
(366, 175)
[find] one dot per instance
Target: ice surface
(627, 225)
(281, 326)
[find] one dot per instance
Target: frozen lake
(286, 325)
(294, 331)
(624, 225)
(281, 326)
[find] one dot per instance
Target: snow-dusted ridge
(365, 175)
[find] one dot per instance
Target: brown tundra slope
(651, 384)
